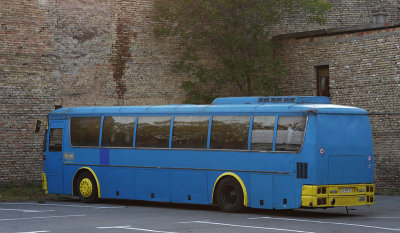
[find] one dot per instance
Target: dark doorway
(323, 81)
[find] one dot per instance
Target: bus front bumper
(323, 196)
(44, 182)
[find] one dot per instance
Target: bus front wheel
(86, 187)
(229, 195)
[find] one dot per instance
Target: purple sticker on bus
(104, 156)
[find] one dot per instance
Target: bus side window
(55, 141)
(153, 131)
(190, 132)
(262, 134)
(85, 131)
(230, 132)
(290, 133)
(118, 131)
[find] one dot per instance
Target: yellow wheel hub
(86, 187)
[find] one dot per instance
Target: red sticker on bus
(321, 151)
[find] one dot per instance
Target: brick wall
(29, 83)
(74, 53)
(109, 56)
(364, 71)
(344, 13)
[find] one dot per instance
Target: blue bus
(259, 152)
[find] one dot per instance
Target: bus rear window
(290, 133)
(153, 131)
(118, 131)
(230, 132)
(190, 132)
(85, 131)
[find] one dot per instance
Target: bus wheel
(86, 187)
(229, 195)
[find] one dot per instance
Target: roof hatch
(274, 100)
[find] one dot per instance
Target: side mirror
(38, 123)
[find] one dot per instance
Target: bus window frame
(210, 115)
(118, 147)
(273, 135)
(277, 115)
(208, 131)
(101, 124)
(101, 130)
(50, 137)
(304, 133)
(153, 115)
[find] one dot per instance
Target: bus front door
(53, 163)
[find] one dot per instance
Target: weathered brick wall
(74, 53)
(344, 13)
(364, 72)
(109, 55)
(28, 87)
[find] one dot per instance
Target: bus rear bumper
(323, 196)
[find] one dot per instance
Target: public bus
(258, 152)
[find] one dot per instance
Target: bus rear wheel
(86, 187)
(229, 195)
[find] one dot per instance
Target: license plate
(346, 190)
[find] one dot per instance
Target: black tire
(86, 187)
(229, 195)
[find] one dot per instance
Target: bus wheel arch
(89, 178)
(230, 182)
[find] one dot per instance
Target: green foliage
(227, 42)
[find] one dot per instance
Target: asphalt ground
(112, 216)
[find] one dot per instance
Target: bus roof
(284, 104)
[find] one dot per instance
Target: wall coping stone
(336, 31)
